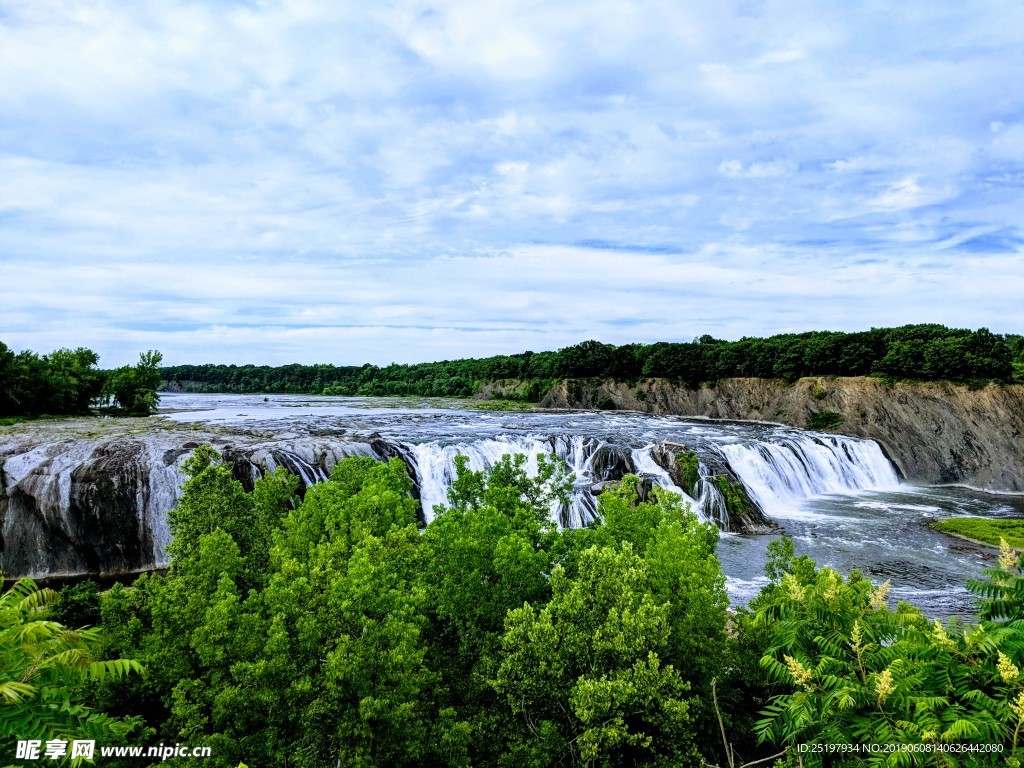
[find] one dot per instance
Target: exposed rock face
(84, 497)
(89, 497)
(744, 518)
(933, 432)
(611, 462)
(85, 505)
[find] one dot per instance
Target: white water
(778, 472)
(646, 465)
(435, 463)
(838, 498)
(783, 471)
(435, 468)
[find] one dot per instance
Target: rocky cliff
(934, 432)
(90, 496)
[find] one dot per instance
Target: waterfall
(591, 463)
(78, 501)
(786, 468)
(435, 463)
(711, 501)
(643, 458)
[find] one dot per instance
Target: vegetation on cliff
(689, 469)
(825, 420)
(329, 630)
(921, 352)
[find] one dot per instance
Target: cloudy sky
(304, 181)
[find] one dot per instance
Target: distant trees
(922, 352)
(64, 382)
(67, 382)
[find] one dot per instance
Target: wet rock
(85, 498)
(611, 462)
(745, 516)
(65, 518)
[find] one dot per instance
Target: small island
(984, 530)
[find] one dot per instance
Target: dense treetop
(68, 381)
(920, 352)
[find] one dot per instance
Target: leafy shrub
(689, 469)
(44, 667)
(859, 672)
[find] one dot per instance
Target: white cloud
(417, 179)
(905, 193)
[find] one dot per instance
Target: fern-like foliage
(43, 666)
(863, 673)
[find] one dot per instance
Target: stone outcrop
(933, 432)
(744, 516)
(90, 497)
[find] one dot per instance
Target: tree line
(330, 630)
(918, 352)
(69, 382)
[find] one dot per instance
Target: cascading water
(785, 469)
(590, 461)
(710, 500)
(643, 458)
(435, 463)
(99, 491)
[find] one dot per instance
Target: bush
(825, 420)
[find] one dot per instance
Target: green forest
(68, 382)
(918, 352)
(329, 630)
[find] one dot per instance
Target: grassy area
(501, 405)
(984, 529)
(7, 421)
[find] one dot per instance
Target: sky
(305, 181)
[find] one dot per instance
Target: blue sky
(306, 181)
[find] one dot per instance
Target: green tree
(684, 576)
(212, 499)
(484, 556)
(133, 388)
(584, 673)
